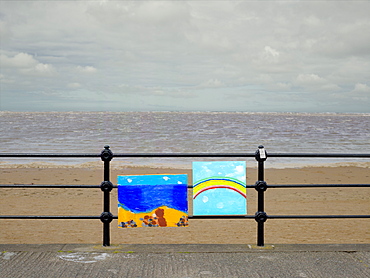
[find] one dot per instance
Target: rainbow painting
(152, 201)
(219, 188)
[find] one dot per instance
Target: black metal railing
(261, 186)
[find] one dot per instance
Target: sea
(183, 132)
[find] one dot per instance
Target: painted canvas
(152, 201)
(219, 188)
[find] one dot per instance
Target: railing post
(106, 186)
(261, 187)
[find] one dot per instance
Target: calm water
(163, 132)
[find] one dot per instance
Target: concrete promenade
(190, 260)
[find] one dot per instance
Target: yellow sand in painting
(159, 217)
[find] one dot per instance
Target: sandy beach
(277, 201)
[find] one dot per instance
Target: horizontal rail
(189, 186)
(184, 155)
(66, 186)
(76, 155)
(190, 216)
(47, 186)
(48, 217)
(315, 216)
(275, 216)
(221, 216)
(315, 185)
(81, 155)
(322, 155)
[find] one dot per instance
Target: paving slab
(188, 260)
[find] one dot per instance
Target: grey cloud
(125, 89)
(193, 54)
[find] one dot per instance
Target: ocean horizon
(183, 132)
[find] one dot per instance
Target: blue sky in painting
(219, 201)
(231, 169)
(144, 193)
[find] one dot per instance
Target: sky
(253, 56)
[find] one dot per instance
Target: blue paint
(143, 193)
(219, 201)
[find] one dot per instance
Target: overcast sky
(289, 56)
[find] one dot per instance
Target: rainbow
(219, 182)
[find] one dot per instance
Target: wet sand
(277, 201)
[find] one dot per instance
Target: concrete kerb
(184, 248)
(184, 260)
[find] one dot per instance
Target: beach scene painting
(152, 200)
(219, 188)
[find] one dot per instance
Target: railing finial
(261, 154)
(106, 154)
